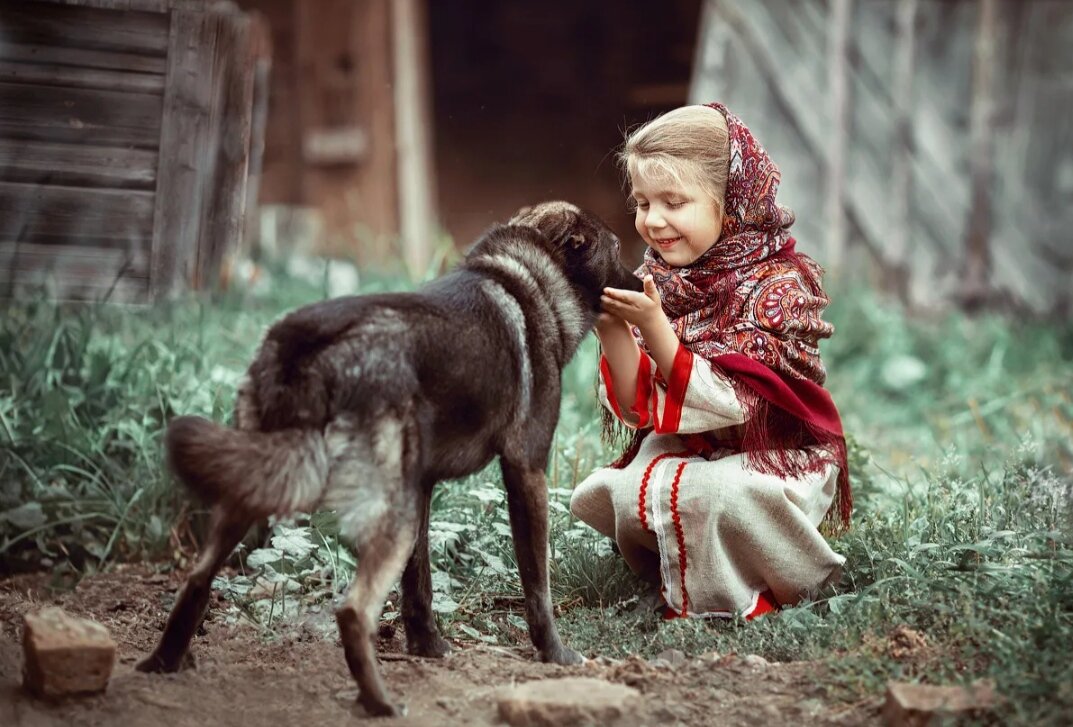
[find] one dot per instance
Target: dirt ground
(243, 679)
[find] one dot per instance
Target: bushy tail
(258, 473)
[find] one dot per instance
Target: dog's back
(440, 362)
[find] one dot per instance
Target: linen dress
(689, 512)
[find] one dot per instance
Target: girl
(737, 452)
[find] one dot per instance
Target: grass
(962, 434)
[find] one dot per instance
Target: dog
(362, 404)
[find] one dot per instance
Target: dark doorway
(531, 99)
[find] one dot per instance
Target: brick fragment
(64, 654)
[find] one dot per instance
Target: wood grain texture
(225, 211)
(187, 158)
(72, 76)
(82, 58)
(37, 213)
(78, 115)
(77, 165)
(85, 27)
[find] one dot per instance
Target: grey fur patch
(557, 290)
(535, 268)
(515, 320)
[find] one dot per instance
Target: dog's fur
(362, 404)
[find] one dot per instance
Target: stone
(754, 661)
(910, 705)
(567, 702)
(65, 654)
(673, 657)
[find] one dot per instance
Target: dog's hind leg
(383, 548)
(170, 654)
(527, 500)
(422, 635)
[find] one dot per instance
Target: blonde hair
(687, 146)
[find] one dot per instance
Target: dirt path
(242, 680)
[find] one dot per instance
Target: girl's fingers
(625, 296)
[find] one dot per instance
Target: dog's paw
(563, 655)
(156, 664)
(435, 647)
(376, 708)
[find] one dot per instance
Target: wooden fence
(125, 138)
(927, 141)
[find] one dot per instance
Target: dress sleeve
(694, 398)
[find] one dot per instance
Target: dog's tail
(257, 473)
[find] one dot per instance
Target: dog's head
(589, 249)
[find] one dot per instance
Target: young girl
(737, 452)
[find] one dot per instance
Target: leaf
(263, 557)
(26, 516)
(443, 603)
(469, 631)
(294, 542)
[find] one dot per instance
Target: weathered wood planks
(76, 165)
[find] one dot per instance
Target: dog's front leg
(189, 609)
(527, 499)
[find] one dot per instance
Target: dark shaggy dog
(362, 404)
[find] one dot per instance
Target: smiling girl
(736, 453)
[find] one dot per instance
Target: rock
(672, 657)
(64, 654)
(754, 661)
(566, 702)
(909, 705)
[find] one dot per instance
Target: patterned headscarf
(751, 306)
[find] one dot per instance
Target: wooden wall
(81, 95)
(769, 61)
(124, 144)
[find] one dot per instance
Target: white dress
(716, 533)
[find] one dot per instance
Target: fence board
(82, 58)
(88, 263)
(84, 27)
(77, 165)
(35, 213)
(187, 161)
(83, 116)
(71, 76)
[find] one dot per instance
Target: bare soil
(245, 678)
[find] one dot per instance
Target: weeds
(960, 561)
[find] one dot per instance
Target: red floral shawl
(751, 306)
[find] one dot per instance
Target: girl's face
(680, 222)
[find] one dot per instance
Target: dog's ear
(560, 222)
(576, 240)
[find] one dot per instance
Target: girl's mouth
(669, 242)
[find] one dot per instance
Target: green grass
(962, 446)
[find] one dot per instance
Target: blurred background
(926, 145)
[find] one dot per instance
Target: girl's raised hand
(644, 310)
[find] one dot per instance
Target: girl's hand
(609, 325)
(644, 310)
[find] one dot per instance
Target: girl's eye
(642, 205)
(675, 205)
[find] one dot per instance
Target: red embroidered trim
(677, 519)
(681, 370)
(605, 372)
(644, 387)
(641, 514)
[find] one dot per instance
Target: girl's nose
(655, 220)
